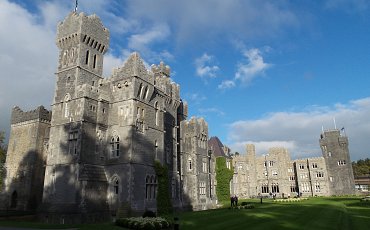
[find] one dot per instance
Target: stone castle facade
(276, 173)
(94, 153)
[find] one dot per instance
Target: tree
(2, 158)
(361, 167)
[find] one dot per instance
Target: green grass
(316, 213)
(339, 213)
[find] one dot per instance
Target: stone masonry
(105, 135)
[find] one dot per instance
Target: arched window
(145, 92)
(94, 63)
(67, 98)
(156, 113)
(150, 187)
(140, 90)
(115, 147)
(115, 186)
(14, 200)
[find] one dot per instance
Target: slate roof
(217, 147)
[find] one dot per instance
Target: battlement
(87, 29)
(161, 69)
(40, 113)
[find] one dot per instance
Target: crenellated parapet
(161, 69)
(78, 27)
(40, 113)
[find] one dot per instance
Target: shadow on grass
(316, 213)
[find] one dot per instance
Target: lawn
(316, 213)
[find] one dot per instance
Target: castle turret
(334, 146)
(73, 173)
(26, 156)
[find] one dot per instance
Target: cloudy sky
(271, 73)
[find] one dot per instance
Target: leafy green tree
(2, 158)
(361, 167)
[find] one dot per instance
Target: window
(140, 90)
(265, 188)
(156, 112)
(293, 188)
(87, 57)
(290, 170)
(190, 166)
(331, 179)
(271, 163)
(341, 162)
(94, 63)
(314, 165)
(274, 173)
(202, 188)
(305, 187)
(72, 142)
(275, 188)
(228, 164)
(116, 186)
(14, 200)
(317, 186)
(145, 92)
(292, 178)
(319, 174)
(67, 98)
(204, 166)
(156, 149)
(303, 176)
(150, 187)
(114, 146)
(301, 166)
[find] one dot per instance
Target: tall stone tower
(26, 156)
(334, 146)
(77, 108)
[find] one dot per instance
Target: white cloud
(253, 67)
(350, 6)
(201, 21)
(28, 60)
(204, 70)
(299, 131)
(142, 42)
(226, 84)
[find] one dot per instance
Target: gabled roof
(217, 147)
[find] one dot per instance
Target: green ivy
(223, 177)
(164, 205)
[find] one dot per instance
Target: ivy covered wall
(223, 177)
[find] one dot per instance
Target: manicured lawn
(315, 213)
(338, 213)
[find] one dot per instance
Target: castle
(94, 154)
(275, 173)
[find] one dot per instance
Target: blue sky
(272, 73)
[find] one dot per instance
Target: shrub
(149, 213)
(147, 223)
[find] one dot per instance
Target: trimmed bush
(149, 213)
(140, 223)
